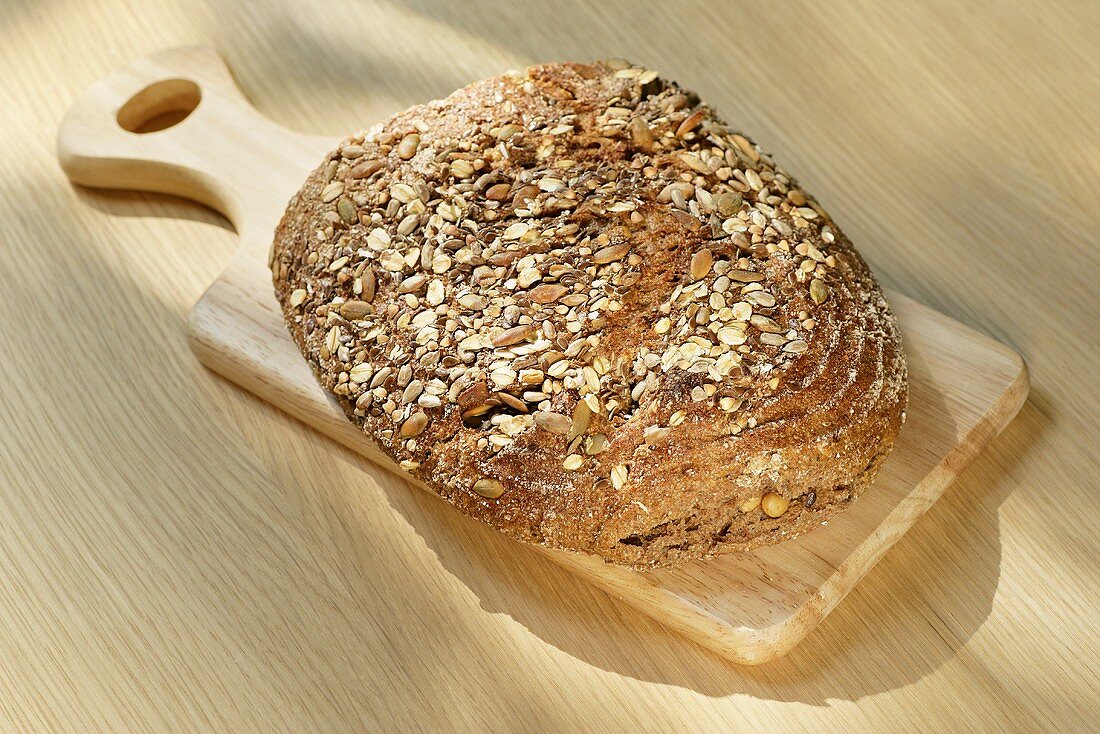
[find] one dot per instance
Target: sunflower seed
(366, 169)
(436, 293)
(610, 254)
(746, 147)
(744, 276)
(408, 224)
(512, 402)
(414, 425)
(368, 284)
(695, 163)
(354, 310)
(498, 192)
(690, 122)
(515, 335)
(700, 264)
(380, 377)
(406, 149)
(472, 301)
(773, 340)
(760, 298)
(546, 293)
(412, 392)
(683, 188)
(488, 488)
(551, 184)
(553, 422)
(412, 284)
(332, 191)
(765, 324)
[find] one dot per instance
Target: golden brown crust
(582, 310)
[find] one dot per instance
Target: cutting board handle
(175, 122)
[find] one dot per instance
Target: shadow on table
(876, 640)
(121, 203)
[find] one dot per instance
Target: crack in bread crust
(582, 309)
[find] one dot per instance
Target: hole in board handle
(159, 106)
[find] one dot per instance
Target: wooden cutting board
(132, 130)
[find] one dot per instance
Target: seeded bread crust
(581, 309)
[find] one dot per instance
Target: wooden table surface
(176, 555)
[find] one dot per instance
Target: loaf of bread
(582, 309)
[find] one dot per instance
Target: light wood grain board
(749, 607)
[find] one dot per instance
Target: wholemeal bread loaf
(580, 308)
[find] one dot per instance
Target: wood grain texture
(749, 607)
(176, 555)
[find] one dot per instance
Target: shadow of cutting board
(176, 123)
